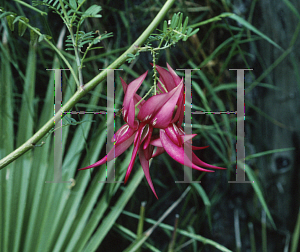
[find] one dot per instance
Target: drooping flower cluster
(157, 124)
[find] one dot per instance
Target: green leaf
(189, 30)
(165, 26)
(48, 37)
(252, 177)
(240, 20)
(205, 199)
(173, 21)
(21, 26)
(260, 154)
(296, 235)
(73, 4)
(41, 38)
(292, 8)
(252, 28)
(180, 20)
(7, 13)
(10, 21)
(93, 11)
(185, 24)
(194, 32)
(24, 132)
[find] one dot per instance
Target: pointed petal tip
(202, 169)
(145, 74)
(220, 168)
(88, 167)
(99, 163)
(145, 166)
(81, 169)
(125, 181)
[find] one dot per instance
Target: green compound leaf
(92, 12)
(21, 26)
(169, 36)
(73, 4)
(10, 21)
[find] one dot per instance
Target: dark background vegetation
(272, 117)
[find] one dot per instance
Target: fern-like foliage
(82, 38)
(23, 22)
(171, 34)
(73, 18)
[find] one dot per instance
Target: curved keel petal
(145, 166)
(177, 153)
(114, 152)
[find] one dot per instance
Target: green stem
(154, 69)
(138, 103)
(140, 228)
(29, 144)
(70, 28)
(31, 7)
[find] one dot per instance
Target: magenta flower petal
(123, 134)
(164, 116)
(136, 97)
(176, 152)
(128, 103)
(173, 133)
(174, 75)
(156, 142)
(132, 88)
(148, 152)
(161, 113)
(131, 116)
(145, 166)
(159, 108)
(197, 148)
(159, 150)
(166, 78)
(198, 161)
(170, 79)
(187, 137)
(114, 152)
(147, 141)
(181, 115)
(137, 143)
(145, 132)
(124, 85)
(153, 105)
(178, 117)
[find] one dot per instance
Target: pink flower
(157, 124)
